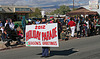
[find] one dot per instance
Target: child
(63, 35)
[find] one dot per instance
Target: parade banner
(42, 35)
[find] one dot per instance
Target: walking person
(72, 26)
(45, 50)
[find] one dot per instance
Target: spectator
(23, 26)
(16, 37)
(64, 21)
(29, 22)
(68, 19)
(11, 24)
(6, 23)
(72, 26)
(52, 21)
(8, 30)
(78, 28)
(90, 27)
(7, 35)
(1, 24)
(1, 29)
(85, 29)
(51, 17)
(59, 28)
(83, 19)
(37, 21)
(87, 24)
(63, 36)
(19, 32)
(81, 26)
(33, 22)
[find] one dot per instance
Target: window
(22, 9)
(0, 9)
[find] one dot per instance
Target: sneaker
(77, 38)
(42, 56)
(47, 56)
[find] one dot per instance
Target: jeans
(85, 30)
(78, 32)
(72, 31)
(81, 28)
(45, 51)
(24, 31)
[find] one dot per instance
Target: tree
(62, 10)
(36, 14)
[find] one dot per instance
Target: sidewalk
(3, 47)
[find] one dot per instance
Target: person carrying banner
(45, 50)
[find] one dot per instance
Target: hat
(29, 20)
(68, 18)
(51, 22)
(6, 20)
(51, 17)
(43, 18)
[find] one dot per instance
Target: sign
(42, 13)
(22, 9)
(93, 4)
(42, 35)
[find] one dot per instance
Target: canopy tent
(82, 11)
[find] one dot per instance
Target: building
(82, 11)
(14, 12)
(96, 10)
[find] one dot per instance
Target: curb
(12, 48)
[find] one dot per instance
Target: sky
(40, 3)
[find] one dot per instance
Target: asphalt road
(85, 48)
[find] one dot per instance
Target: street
(84, 48)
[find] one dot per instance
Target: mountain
(56, 6)
(44, 3)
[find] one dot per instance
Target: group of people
(80, 25)
(84, 27)
(10, 32)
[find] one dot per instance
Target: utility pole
(73, 4)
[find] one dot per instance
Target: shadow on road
(63, 52)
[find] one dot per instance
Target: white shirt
(11, 26)
(1, 30)
(87, 24)
(6, 24)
